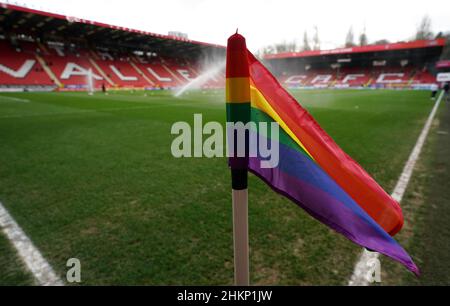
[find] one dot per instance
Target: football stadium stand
(398, 65)
(20, 67)
(45, 51)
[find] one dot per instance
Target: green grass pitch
(92, 177)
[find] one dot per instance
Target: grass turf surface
(92, 177)
(427, 230)
(12, 270)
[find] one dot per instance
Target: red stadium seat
(21, 67)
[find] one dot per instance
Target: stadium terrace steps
(68, 67)
(19, 67)
(42, 47)
(142, 74)
(72, 70)
(121, 73)
(92, 61)
(48, 71)
(157, 74)
(172, 74)
(181, 69)
(380, 77)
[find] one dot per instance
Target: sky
(262, 22)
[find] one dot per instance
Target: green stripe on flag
(238, 112)
(258, 116)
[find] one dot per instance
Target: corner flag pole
(238, 110)
(240, 228)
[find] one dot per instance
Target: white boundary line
(14, 99)
(363, 266)
(30, 255)
(101, 111)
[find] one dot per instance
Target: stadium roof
(45, 25)
(418, 44)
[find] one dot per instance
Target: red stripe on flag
(347, 173)
(237, 63)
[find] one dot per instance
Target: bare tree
(381, 42)
(286, 47)
(363, 38)
(265, 50)
(292, 46)
(424, 29)
(349, 39)
(306, 46)
(280, 47)
(316, 40)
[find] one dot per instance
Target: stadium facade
(398, 65)
(46, 51)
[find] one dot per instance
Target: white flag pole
(238, 111)
(240, 235)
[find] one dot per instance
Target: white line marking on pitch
(95, 111)
(30, 255)
(14, 99)
(362, 267)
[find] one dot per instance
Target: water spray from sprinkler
(207, 75)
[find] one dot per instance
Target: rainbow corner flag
(313, 171)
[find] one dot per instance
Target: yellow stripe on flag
(238, 90)
(258, 101)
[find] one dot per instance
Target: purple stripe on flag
(353, 223)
